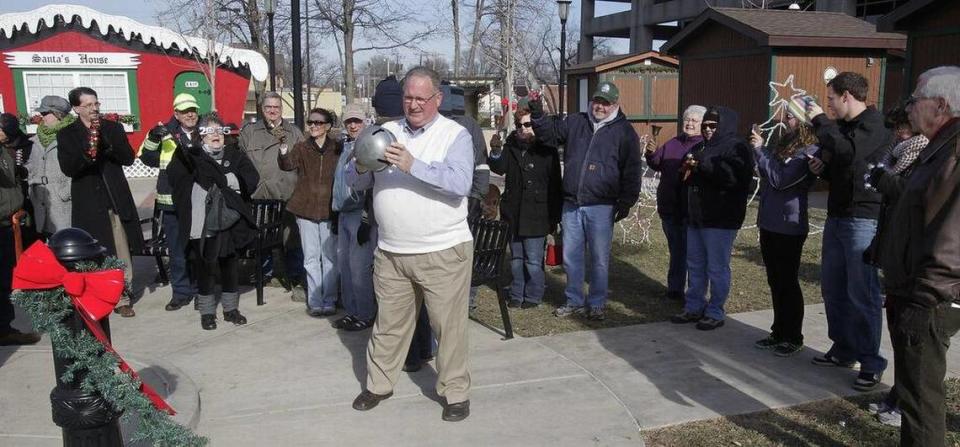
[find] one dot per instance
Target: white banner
(57, 59)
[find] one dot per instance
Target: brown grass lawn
(831, 422)
(638, 271)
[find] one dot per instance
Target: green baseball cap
(607, 91)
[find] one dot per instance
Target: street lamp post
(297, 64)
(273, 55)
(564, 9)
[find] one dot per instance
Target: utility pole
(297, 64)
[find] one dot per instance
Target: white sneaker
(878, 407)
(891, 418)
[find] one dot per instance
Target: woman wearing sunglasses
(531, 203)
(718, 172)
(212, 184)
(315, 161)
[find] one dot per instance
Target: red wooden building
(136, 69)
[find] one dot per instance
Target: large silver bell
(370, 147)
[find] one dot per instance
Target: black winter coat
(848, 146)
(533, 194)
(719, 186)
(195, 166)
(99, 185)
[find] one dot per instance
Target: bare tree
(377, 21)
(455, 6)
(382, 65)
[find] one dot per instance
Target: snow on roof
(132, 29)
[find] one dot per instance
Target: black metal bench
(267, 215)
(156, 244)
(490, 239)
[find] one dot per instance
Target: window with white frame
(112, 87)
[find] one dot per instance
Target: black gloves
(874, 173)
(363, 233)
(157, 133)
(536, 109)
(623, 211)
(913, 322)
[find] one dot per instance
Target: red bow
(94, 295)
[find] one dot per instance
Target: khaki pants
(123, 253)
(440, 279)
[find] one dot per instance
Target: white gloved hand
(233, 182)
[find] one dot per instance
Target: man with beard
(531, 203)
(601, 182)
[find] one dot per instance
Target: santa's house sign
(59, 59)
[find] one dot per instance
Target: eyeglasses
(527, 124)
(709, 125)
(316, 123)
(87, 106)
(915, 99)
(45, 113)
(419, 101)
(214, 130)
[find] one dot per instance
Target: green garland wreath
(48, 308)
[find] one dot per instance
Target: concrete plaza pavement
(288, 379)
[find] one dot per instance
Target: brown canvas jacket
(315, 166)
(921, 259)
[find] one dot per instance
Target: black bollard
(87, 419)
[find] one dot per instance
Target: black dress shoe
(529, 305)
(456, 412)
(514, 304)
(367, 400)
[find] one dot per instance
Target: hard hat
(370, 147)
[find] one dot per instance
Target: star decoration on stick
(783, 93)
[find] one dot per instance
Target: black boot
(208, 322)
(234, 317)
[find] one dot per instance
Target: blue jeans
(179, 273)
(320, 262)
(708, 263)
(355, 263)
(526, 264)
(587, 228)
(676, 232)
(851, 293)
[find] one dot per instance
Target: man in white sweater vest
(425, 249)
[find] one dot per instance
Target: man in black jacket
(921, 265)
(601, 182)
(92, 153)
(157, 151)
(850, 287)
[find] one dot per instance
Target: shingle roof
(784, 28)
(619, 60)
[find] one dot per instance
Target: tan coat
(263, 148)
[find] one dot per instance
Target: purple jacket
(667, 160)
(783, 191)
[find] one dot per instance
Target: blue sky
(144, 11)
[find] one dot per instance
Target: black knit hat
(712, 114)
(388, 98)
(10, 124)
